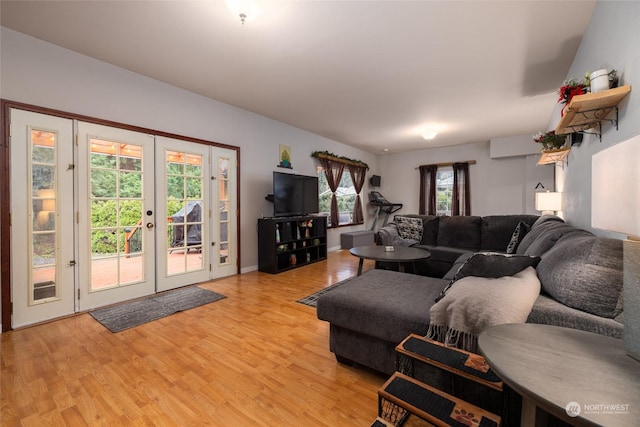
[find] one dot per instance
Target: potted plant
(570, 88)
(549, 140)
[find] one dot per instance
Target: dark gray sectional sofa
(580, 274)
(448, 237)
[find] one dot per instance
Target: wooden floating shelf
(553, 156)
(587, 111)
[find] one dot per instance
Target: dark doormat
(129, 314)
(312, 300)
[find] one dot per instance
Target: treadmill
(382, 205)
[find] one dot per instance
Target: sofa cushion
(384, 304)
(460, 232)
(585, 272)
(429, 228)
(546, 218)
(497, 230)
(457, 265)
(491, 265)
(544, 234)
(548, 311)
(518, 234)
(388, 236)
(409, 228)
(430, 224)
(494, 265)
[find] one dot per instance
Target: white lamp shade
(615, 188)
(48, 199)
(549, 201)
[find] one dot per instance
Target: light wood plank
(256, 358)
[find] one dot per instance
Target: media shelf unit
(285, 243)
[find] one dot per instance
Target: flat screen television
(294, 194)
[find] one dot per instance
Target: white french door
(195, 235)
(116, 215)
(42, 272)
(183, 203)
(87, 228)
(224, 214)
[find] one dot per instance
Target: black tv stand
(284, 243)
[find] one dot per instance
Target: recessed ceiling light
(385, 149)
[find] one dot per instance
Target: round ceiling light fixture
(429, 134)
(246, 10)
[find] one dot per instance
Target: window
(444, 191)
(346, 195)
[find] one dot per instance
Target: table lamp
(615, 206)
(549, 202)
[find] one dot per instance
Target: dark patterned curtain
(461, 197)
(358, 175)
(428, 189)
(333, 172)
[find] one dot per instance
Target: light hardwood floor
(256, 358)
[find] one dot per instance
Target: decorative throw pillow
(409, 228)
(492, 265)
(517, 236)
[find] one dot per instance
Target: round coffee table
(400, 255)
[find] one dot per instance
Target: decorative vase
(599, 80)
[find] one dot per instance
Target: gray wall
(42, 74)
(612, 41)
(499, 185)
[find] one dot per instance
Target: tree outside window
(444, 192)
(346, 195)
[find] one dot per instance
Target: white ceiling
(369, 74)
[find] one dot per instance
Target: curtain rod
(471, 162)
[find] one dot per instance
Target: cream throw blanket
(476, 303)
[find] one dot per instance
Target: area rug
(133, 313)
(312, 299)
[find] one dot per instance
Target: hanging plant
(331, 156)
(549, 140)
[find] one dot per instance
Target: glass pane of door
(185, 212)
(224, 203)
(117, 246)
(44, 285)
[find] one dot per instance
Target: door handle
(149, 225)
